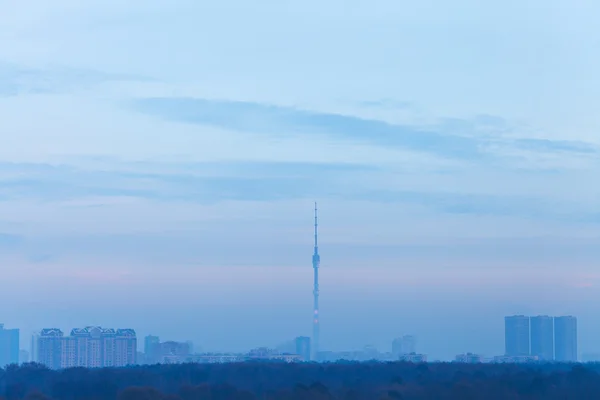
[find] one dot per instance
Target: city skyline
(538, 338)
(534, 339)
(163, 159)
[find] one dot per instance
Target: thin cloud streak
(210, 183)
(282, 121)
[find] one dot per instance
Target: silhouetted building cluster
(90, 347)
(170, 352)
(406, 344)
(541, 338)
(9, 346)
(469, 358)
(413, 358)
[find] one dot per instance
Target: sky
(160, 160)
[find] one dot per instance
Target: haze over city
(160, 162)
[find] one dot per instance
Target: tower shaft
(316, 261)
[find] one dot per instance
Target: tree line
(304, 381)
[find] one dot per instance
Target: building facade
(565, 339)
(9, 346)
(542, 337)
(90, 347)
(150, 348)
(516, 335)
(303, 347)
(49, 348)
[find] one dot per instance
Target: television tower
(316, 260)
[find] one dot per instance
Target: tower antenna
(316, 261)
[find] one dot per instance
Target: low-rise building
(413, 358)
(469, 358)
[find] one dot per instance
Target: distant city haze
(160, 162)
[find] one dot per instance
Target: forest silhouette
(304, 381)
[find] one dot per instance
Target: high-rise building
(90, 347)
(406, 344)
(49, 348)
(542, 337)
(516, 335)
(150, 349)
(565, 339)
(68, 352)
(409, 344)
(33, 351)
(125, 347)
(9, 346)
(397, 347)
(24, 356)
(303, 347)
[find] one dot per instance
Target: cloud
(19, 80)
(286, 121)
(9, 240)
(386, 103)
(215, 182)
(193, 182)
(546, 145)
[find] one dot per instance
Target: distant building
(413, 358)
(565, 339)
(516, 335)
(288, 347)
(150, 347)
(90, 347)
(216, 358)
(33, 351)
(49, 348)
(263, 353)
(542, 337)
(24, 357)
(406, 344)
(125, 347)
(515, 359)
(191, 346)
(409, 344)
(468, 358)
(397, 347)
(9, 346)
(370, 353)
(303, 347)
(168, 352)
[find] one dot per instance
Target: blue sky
(160, 160)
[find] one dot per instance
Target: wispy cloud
(19, 80)
(210, 183)
(9, 240)
(282, 121)
(386, 103)
(201, 182)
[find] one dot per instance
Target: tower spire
(316, 232)
(316, 261)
